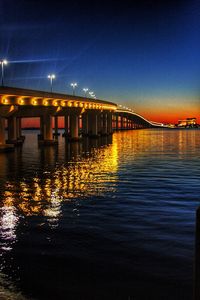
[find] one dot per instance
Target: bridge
(128, 119)
(82, 116)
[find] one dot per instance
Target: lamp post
(91, 94)
(51, 77)
(74, 85)
(85, 91)
(3, 62)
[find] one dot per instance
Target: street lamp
(85, 91)
(51, 77)
(3, 62)
(74, 85)
(91, 94)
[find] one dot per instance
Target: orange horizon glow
(171, 118)
(156, 116)
(170, 111)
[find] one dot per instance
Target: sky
(141, 54)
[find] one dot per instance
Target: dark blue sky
(144, 54)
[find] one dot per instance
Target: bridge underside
(82, 116)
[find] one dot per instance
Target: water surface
(112, 218)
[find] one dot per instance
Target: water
(101, 219)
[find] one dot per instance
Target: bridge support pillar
(13, 131)
(74, 127)
(3, 146)
(126, 123)
(66, 126)
(19, 128)
(20, 137)
(85, 127)
(117, 122)
(56, 133)
(46, 137)
(56, 125)
(93, 125)
(2, 131)
(105, 124)
(100, 124)
(122, 122)
(109, 123)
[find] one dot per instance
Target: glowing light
(51, 77)
(5, 101)
(45, 102)
(3, 62)
(85, 91)
(21, 101)
(34, 102)
(91, 94)
(59, 109)
(74, 85)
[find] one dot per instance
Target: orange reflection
(43, 195)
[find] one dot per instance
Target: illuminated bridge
(125, 118)
(82, 116)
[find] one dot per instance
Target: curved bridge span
(128, 119)
(82, 116)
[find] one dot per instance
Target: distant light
(74, 84)
(4, 62)
(21, 101)
(45, 102)
(51, 76)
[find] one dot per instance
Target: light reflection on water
(42, 194)
(134, 193)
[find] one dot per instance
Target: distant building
(189, 122)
